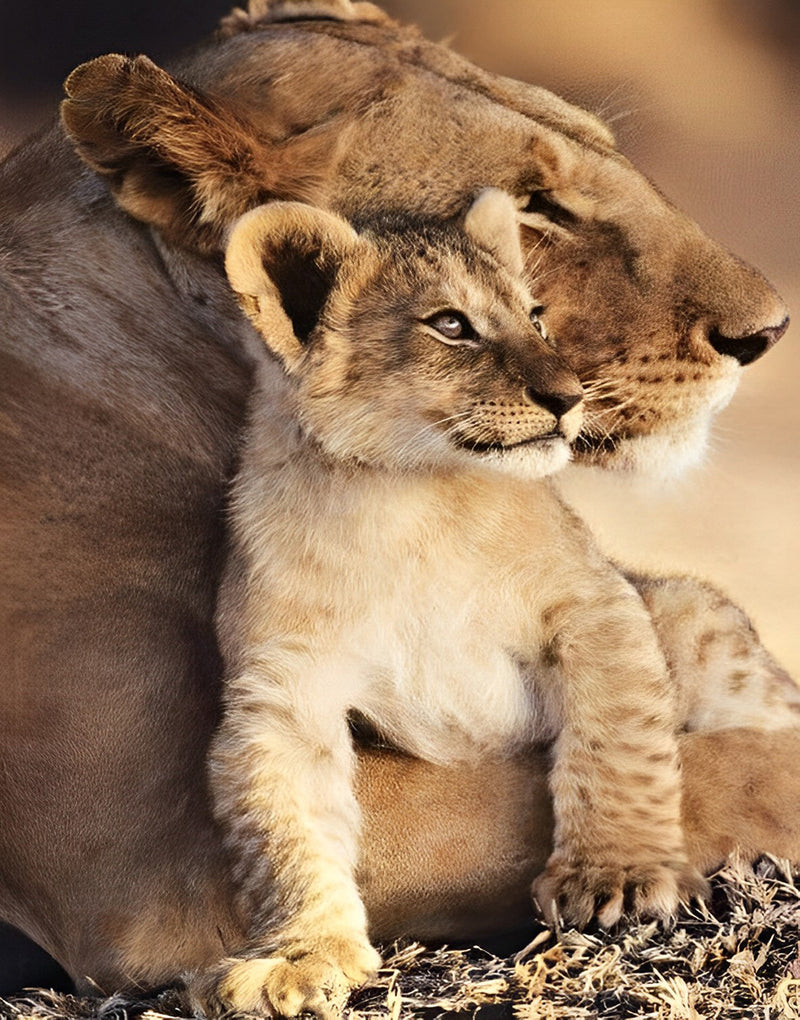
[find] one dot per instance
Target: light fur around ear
(177, 159)
(282, 260)
(492, 222)
(266, 12)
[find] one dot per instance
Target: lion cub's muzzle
(536, 399)
(536, 417)
(558, 404)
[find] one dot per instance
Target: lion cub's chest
(436, 681)
(426, 624)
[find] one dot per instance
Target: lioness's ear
(282, 260)
(175, 158)
(492, 222)
(263, 12)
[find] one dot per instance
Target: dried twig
(738, 959)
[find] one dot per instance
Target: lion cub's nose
(556, 403)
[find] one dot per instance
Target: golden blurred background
(704, 96)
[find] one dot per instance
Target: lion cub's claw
(573, 894)
(318, 981)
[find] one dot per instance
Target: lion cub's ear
(282, 261)
(492, 222)
(177, 159)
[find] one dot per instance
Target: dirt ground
(736, 959)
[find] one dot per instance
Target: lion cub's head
(411, 345)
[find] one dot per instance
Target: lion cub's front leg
(619, 844)
(281, 769)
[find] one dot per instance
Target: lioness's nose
(747, 348)
(556, 403)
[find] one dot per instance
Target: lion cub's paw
(574, 893)
(318, 981)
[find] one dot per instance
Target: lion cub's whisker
(414, 439)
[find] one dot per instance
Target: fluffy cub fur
(398, 558)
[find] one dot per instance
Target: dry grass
(738, 959)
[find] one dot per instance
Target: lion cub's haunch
(397, 555)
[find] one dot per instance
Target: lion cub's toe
(575, 893)
(318, 981)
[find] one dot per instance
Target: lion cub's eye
(536, 319)
(453, 328)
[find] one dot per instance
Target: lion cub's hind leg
(725, 678)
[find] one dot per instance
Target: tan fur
(262, 12)
(740, 791)
(125, 371)
(130, 119)
(724, 676)
(438, 590)
(598, 237)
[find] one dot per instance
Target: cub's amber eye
(450, 326)
(453, 327)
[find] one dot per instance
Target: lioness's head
(331, 100)
(412, 345)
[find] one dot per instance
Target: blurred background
(704, 96)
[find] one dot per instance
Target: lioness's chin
(665, 454)
(662, 456)
(530, 461)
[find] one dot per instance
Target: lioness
(125, 370)
(396, 555)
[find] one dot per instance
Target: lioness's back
(117, 432)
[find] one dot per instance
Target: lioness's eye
(542, 203)
(536, 319)
(453, 327)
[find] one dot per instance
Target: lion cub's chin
(529, 461)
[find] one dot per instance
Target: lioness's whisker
(532, 264)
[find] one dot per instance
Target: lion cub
(397, 556)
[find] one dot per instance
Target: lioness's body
(125, 369)
(120, 413)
